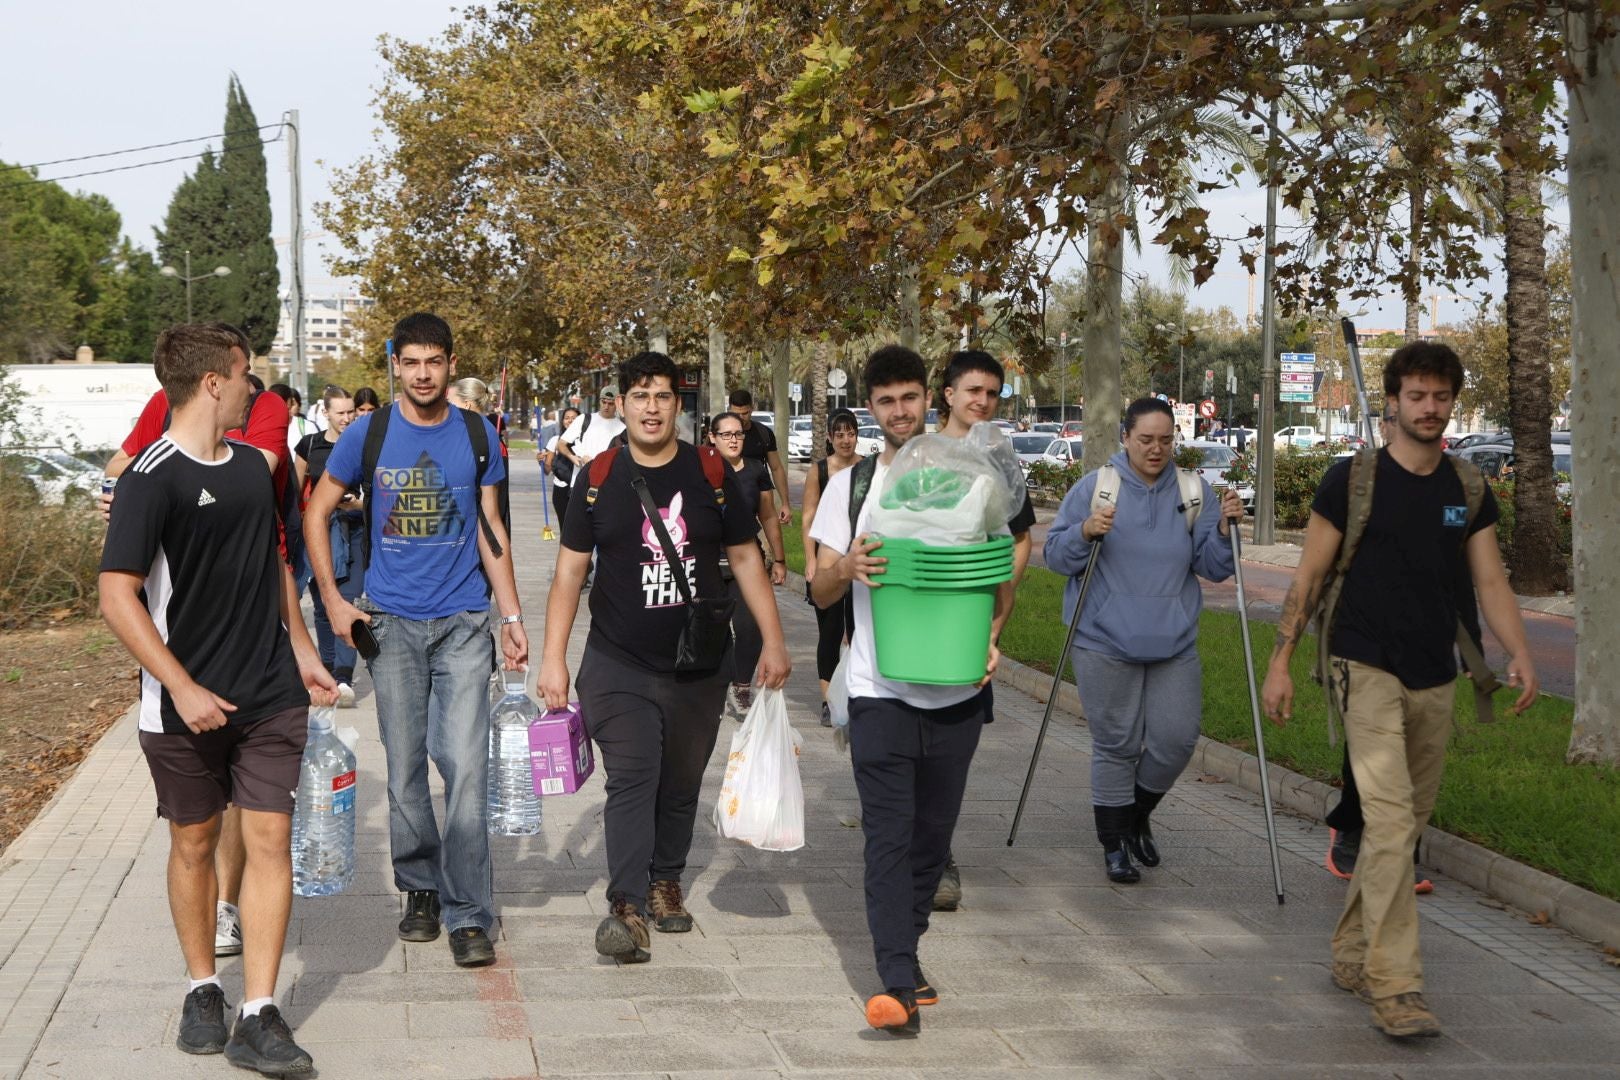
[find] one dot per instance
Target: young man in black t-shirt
(1394, 664)
(656, 727)
(193, 584)
(759, 444)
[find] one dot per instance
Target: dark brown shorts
(254, 766)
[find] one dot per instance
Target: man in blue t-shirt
(437, 547)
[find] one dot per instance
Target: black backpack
(372, 450)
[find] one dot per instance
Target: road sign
(795, 391)
(836, 378)
(1206, 409)
(1296, 379)
(1007, 390)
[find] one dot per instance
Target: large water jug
(323, 822)
(514, 809)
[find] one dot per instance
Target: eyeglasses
(728, 434)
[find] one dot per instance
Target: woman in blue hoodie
(1135, 651)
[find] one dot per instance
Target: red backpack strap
(601, 465)
(714, 470)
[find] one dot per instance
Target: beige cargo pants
(1397, 739)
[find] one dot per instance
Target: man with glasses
(437, 546)
(655, 725)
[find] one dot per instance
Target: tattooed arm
(1315, 560)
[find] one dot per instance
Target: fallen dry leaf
(1540, 918)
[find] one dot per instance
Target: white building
(331, 325)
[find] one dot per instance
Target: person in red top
(265, 430)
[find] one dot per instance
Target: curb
(1580, 911)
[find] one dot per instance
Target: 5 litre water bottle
(323, 823)
(514, 808)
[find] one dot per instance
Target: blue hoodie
(1144, 601)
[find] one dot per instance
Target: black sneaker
(926, 994)
(948, 895)
(1343, 846)
(202, 1021)
(471, 947)
(894, 1010)
(421, 921)
(264, 1042)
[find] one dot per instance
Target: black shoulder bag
(702, 647)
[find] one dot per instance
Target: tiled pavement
(1047, 971)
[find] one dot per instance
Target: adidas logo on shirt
(205, 499)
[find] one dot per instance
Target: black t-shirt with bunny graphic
(636, 607)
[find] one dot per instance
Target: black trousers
(834, 626)
(656, 733)
(911, 768)
(559, 503)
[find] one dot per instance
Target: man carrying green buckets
(914, 716)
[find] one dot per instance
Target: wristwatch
(508, 620)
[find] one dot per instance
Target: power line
(152, 146)
(123, 168)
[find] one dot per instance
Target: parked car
(1049, 427)
(1062, 451)
(869, 440)
(56, 475)
(1463, 440)
(1299, 435)
(1495, 459)
(1217, 458)
(1072, 429)
(798, 444)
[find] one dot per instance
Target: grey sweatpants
(1144, 721)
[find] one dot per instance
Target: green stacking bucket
(930, 619)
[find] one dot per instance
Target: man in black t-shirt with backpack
(1398, 528)
(655, 723)
(193, 584)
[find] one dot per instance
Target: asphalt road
(1551, 637)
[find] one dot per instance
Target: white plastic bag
(948, 491)
(838, 702)
(762, 799)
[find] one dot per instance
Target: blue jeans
(349, 566)
(432, 683)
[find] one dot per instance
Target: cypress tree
(252, 291)
(221, 214)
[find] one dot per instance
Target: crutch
(1057, 681)
(1254, 706)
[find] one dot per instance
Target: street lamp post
(171, 272)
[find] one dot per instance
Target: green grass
(1506, 785)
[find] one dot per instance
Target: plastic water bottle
(514, 808)
(323, 822)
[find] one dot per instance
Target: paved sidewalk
(1047, 971)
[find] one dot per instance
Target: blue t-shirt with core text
(424, 514)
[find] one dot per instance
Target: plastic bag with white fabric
(948, 492)
(762, 798)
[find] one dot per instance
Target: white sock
(251, 1008)
(204, 982)
(226, 906)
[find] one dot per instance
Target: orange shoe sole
(1424, 887)
(887, 1013)
(928, 997)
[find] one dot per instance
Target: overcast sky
(91, 76)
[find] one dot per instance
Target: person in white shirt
(592, 433)
(911, 744)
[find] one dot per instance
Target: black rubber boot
(1112, 825)
(1140, 836)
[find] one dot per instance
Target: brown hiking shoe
(1351, 977)
(623, 934)
(669, 915)
(1404, 1016)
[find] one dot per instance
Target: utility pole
(295, 259)
(1063, 378)
(1265, 495)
